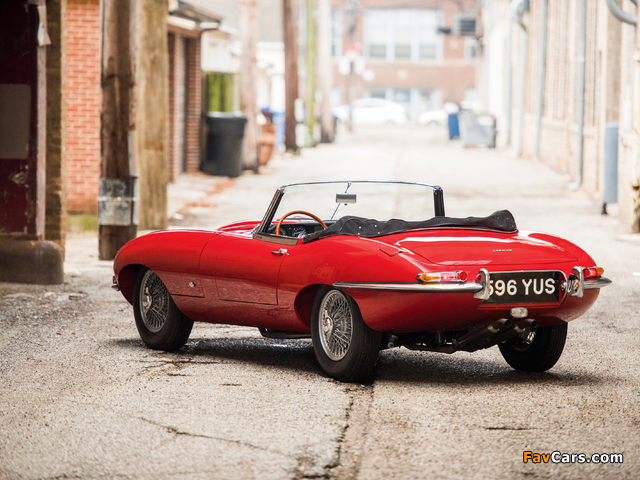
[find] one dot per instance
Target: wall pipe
(508, 86)
(620, 14)
(541, 79)
(518, 7)
(580, 100)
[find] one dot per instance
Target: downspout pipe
(518, 8)
(620, 14)
(509, 86)
(541, 78)
(580, 100)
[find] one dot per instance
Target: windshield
(375, 200)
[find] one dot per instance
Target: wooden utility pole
(290, 35)
(325, 69)
(248, 80)
(117, 185)
(135, 114)
(152, 112)
(311, 67)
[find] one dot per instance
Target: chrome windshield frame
(438, 197)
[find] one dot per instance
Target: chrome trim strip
(413, 287)
(279, 239)
(596, 283)
(115, 285)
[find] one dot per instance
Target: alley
(82, 397)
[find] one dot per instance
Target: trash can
(454, 127)
(225, 132)
(478, 129)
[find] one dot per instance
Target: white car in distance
(372, 111)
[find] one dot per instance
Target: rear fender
(304, 303)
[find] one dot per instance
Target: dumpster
(478, 129)
(225, 132)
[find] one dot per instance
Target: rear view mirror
(345, 198)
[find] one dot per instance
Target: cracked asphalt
(81, 397)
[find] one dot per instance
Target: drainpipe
(581, 54)
(620, 14)
(508, 86)
(541, 79)
(518, 7)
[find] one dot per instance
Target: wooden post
(325, 69)
(311, 67)
(152, 112)
(248, 79)
(290, 35)
(117, 83)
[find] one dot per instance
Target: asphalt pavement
(82, 397)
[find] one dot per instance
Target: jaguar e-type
(362, 266)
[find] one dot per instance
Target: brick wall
(558, 137)
(83, 109)
(55, 213)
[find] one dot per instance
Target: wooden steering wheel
(301, 212)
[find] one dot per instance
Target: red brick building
(407, 58)
(83, 105)
(185, 26)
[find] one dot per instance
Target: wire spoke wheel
(345, 347)
(336, 325)
(154, 301)
(160, 323)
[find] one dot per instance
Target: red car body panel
(229, 276)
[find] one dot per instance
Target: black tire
(346, 348)
(539, 355)
(161, 325)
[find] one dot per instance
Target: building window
(429, 39)
(375, 33)
(471, 47)
(336, 32)
(402, 34)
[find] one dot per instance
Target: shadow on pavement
(443, 369)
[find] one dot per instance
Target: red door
(18, 117)
(245, 269)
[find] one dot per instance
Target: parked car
(433, 117)
(362, 266)
(372, 111)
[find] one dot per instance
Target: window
(375, 33)
(430, 40)
(471, 47)
(402, 34)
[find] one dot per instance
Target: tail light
(593, 272)
(443, 277)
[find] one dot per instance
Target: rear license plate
(524, 287)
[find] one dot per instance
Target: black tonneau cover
(501, 221)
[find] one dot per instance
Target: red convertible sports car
(363, 266)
